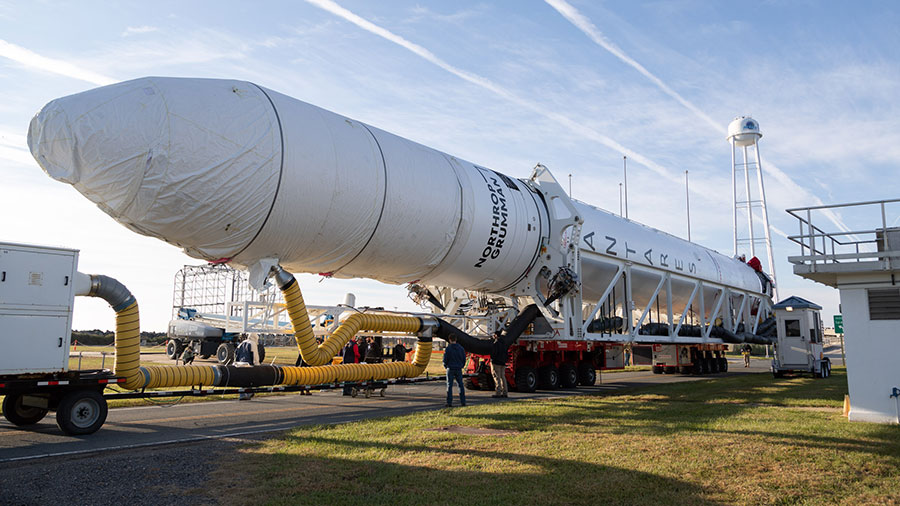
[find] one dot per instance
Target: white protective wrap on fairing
(154, 152)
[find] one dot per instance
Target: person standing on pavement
(745, 350)
(350, 355)
(499, 352)
(454, 361)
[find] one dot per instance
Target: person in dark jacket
(454, 360)
(399, 352)
(350, 355)
(499, 351)
(374, 353)
(363, 344)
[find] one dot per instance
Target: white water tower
(751, 219)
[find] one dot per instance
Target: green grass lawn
(738, 440)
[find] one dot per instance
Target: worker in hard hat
(745, 351)
(499, 352)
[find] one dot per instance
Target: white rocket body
(232, 171)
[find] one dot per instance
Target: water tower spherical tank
(744, 130)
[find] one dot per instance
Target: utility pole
(625, 176)
(687, 200)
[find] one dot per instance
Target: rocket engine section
(232, 171)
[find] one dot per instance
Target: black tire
(587, 376)
(723, 364)
(20, 415)
(81, 412)
(548, 377)
(704, 366)
(669, 370)
(526, 379)
(685, 369)
(469, 384)
(174, 349)
(485, 381)
(776, 373)
(225, 353)
(568, 376)
(262, 352)
(656, 369)
(713, 365)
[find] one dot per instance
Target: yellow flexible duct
(359, 372)
(128, 346)
(314, 354)
(128, 359)
(128, 351)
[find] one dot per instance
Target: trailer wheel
(81, 412)
(225, 353)
(174, 349)
(568, 376)
(526, 379)
(657, 369)
(21, 415)
(685, 369)
(549, 377)
(587, 376)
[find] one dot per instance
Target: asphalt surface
(174, 423)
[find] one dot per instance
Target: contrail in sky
(588, 28)
(489, 85)
(31, 59)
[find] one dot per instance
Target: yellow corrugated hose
(128, 359)
(314, 354)
(359, 372)
(128, 352)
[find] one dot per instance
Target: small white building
(864, 264)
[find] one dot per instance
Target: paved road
(141, 427)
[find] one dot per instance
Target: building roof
(796, 303)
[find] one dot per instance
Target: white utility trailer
(800, 334)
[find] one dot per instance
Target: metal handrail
(812, 253)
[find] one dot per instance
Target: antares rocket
(234, 172)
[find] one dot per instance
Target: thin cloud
(137, 30)
(33, 60)
(337, 10)
(588, 28)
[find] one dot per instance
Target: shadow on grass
(711, 407)
(359, 471)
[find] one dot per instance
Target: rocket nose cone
(95, 142)
(194, 162)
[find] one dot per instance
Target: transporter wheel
(174, 349)
(723, 364)
(549, 377)
(21, 415)
(568, 376)
(526, 379)
(685, 369)
(657, 369)
(704, 365)
(81, 412)
(587, 376)
(669, 370)
(485, 381)
(225, 353)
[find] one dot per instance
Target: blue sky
(504, 84)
